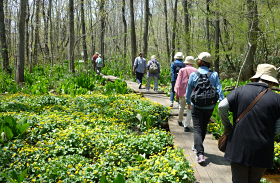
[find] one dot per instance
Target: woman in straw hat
(178, 63)
(180, 89)
(251, 144)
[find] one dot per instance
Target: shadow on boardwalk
(215, 169)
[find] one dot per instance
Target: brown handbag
(222, 142)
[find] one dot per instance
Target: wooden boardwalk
(215, 169)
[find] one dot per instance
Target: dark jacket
(252, 141)
(179, 63)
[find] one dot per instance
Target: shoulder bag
(222, 142)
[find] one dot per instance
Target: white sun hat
(204, 56)
(179, 55)
(189, 60)
(266, 72)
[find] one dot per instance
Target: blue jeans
(200, 119)
(139, 77)
(172, 93)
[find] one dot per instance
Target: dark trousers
(246, 174)
(139, 77)
(200, 119)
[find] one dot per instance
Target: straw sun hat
(179, 55)
(204, 56)
(189, 60)
(266, 72)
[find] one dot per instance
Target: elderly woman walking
(153, 72)
(175, 67)
(180, 89)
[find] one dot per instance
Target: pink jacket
(182, 80)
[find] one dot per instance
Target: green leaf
(23, 128)
(8, 132)
(11, 121)
(8, 178)
(22, 121)
(14, 175)
(103, 179)
(22, 175)
(119, 179)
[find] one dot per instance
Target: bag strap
(209, 73)
(187, 74)
(198, 73)
(251, 105)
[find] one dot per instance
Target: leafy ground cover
(81, 138)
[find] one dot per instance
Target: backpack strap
(209, 73)
(198, 73)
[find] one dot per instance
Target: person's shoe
(180, 123)
(186, 129)
(147, 90)
(140, 84)
(171, 105)
(200, 159)
(194, 149)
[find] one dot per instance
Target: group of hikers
(250, 144)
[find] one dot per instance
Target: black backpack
(204, 93)
(176, 71)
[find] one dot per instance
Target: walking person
(201, 115)
(94, 60)
(180, 89)
(99, 64)
(250, 146)
(140, 68)
(175, 67)
(153, 72)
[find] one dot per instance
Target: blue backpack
(99, 60)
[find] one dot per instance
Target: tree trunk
(102, 33)
(248, 71)
(71, 37)
(186, 26)
(27, 33)
(125, 28)
(19, 77)
(51, 35)
(146, 29)
(166, 29)
(174, 28)
(207, 25)
(84, 35)
(36, 44)
(217, 46)
(133, 34)
(46, 25)
(31, 41)
(3, 39)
